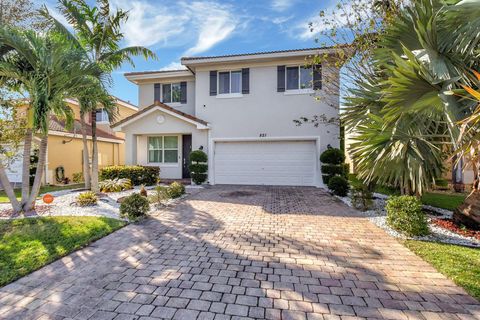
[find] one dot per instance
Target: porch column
(130, 149)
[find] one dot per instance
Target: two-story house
(239, 109)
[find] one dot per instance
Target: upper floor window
(230, 82)
(101, 115)
(171, 92)
(299, 77)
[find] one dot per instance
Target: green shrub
(88, 198)
(338, 185)
(77, 177)
(160, 194)
(134, 207)
(115, 185)
(175, 190)
(362, 197)
(332, 156)
(198, 166)
(137, 174)
(404, 214)
(198, 156)
(333, 165)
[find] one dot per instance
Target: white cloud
(281, 5)
(309, 28)
(215, 23)
(173, 66)
(198, 25)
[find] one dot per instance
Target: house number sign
(263, 135)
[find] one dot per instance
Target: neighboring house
(65, 147)
(239, 109)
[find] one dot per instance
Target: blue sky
(176, 28)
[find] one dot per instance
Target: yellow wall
(69, 155)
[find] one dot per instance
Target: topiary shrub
(175, 190)
(88, 198)
(115, 185)
(404, 214)
(333, 165)
(134, 207)
(137, 174)
(332, 156)
(198, 166)
(338, 185)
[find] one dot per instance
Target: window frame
(104, 117)
(171, 93)
(163, 149)
(230, 93)
(299, 89)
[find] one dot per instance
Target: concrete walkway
(232, 252)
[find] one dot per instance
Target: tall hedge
(139, 175)
(198, 166)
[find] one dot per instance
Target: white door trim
(211, 152)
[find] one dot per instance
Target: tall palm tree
(97, 32)
(48, 68)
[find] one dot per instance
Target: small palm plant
(115, 185)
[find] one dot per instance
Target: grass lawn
(449, 201)
(460, 264)
(444, 200)
(30, 243)
(43, 189)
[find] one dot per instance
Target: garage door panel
(269, 163)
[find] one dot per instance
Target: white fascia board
(199, 126)
(79, 136)
(157, 75)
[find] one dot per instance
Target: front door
(186, 149)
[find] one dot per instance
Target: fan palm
(48, 69)
(97, 32)
(402, 117)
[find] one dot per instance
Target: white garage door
(289, 163)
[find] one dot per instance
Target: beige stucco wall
(69, 155)
(137, 133)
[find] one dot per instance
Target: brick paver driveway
(230, 252)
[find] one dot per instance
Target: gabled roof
(58, 125)
(201, 124)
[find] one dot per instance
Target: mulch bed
(448, 224)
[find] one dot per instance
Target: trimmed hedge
(404, 214)
(137, 174)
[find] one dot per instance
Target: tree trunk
(94, 178)
(86, 158)
(468, 213)
(42, 157)
(7, 187)
(27, 148)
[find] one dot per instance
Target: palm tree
(97, 32)
(48, 69)
(469, 146)
(402, 116)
